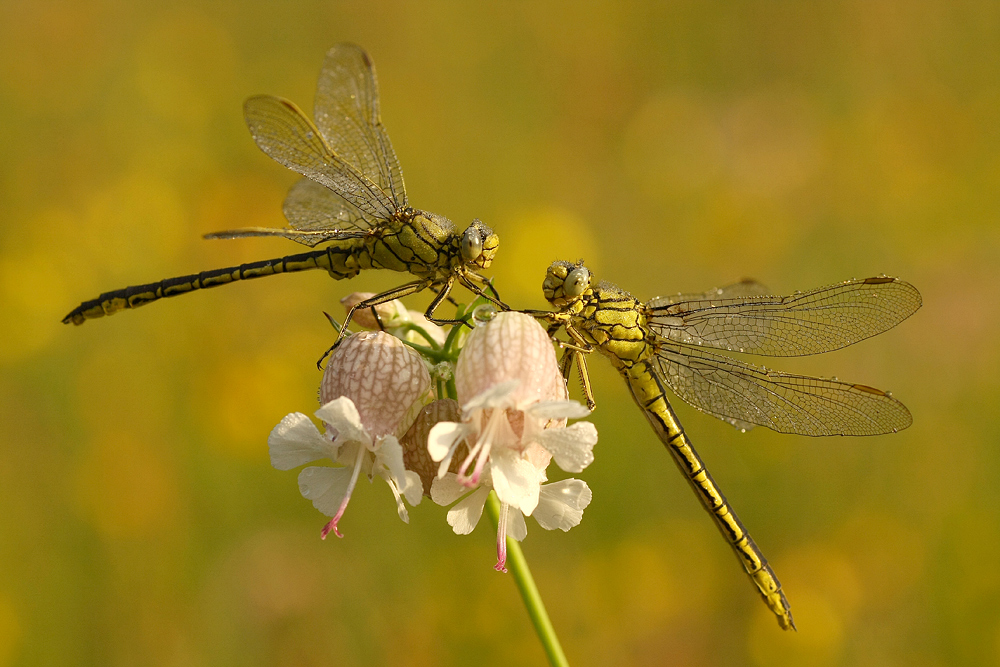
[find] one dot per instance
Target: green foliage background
(676, 146)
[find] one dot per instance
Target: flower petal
(558, 410)
(325, 487)
(464, 516)
(442, 439)
(561, 504)
(413, 490)
(514, 479)
(296, 441)
(390, 454)
(343, 418)
(572, 446)
(446, 490)
(516, 527)
(499, 395)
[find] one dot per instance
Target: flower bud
(387, 381)
(392, 313)
(414, 442)
(511, 346)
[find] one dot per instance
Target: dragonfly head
(565, 283)
(478, 244)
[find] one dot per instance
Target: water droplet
(309, 135)
(888, 394)
(483, 314)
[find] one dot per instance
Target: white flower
(372, 389)
(514, 412)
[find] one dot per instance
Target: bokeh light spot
(532, 240)
(126, 485)
(10, 631)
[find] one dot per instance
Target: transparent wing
(743, 288)
(283, 132)
(739, 392)
(311, 207)
(347, 113)
(811, 322)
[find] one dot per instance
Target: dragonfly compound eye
(472, 244)
(577, 281)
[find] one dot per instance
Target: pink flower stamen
(501, 565)
(332, 523)
(481, 452)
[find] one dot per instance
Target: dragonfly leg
(578, 350)
(467, 281)
(438, 300)
(378, 299)
(378, 319)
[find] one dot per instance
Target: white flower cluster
(381, 417)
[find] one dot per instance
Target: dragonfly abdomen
(340, 260)
(648, 392)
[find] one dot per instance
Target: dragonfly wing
(736, 391)
(820, 320)
(313, 210)
(283, 132)
(743, 288)
(347, 113)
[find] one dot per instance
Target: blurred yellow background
(677, 146)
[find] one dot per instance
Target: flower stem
(518, 568)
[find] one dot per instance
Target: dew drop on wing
(888, 394)
(309, 134)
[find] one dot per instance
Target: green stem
(518, 568)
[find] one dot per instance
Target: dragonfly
(666, 343)
(351, 201)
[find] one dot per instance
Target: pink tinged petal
(446, 490)
(386, 380)
(342, 417)
(558, 410)
(515, 480)
(330, 490)
(464, 516)
(512, 346)
(561, 504)
(296, 441)
(572, 447)
(539, 457)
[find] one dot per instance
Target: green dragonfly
(662, 344)
(352, 200)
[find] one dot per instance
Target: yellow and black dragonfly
(352, 200)
(663, 344)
